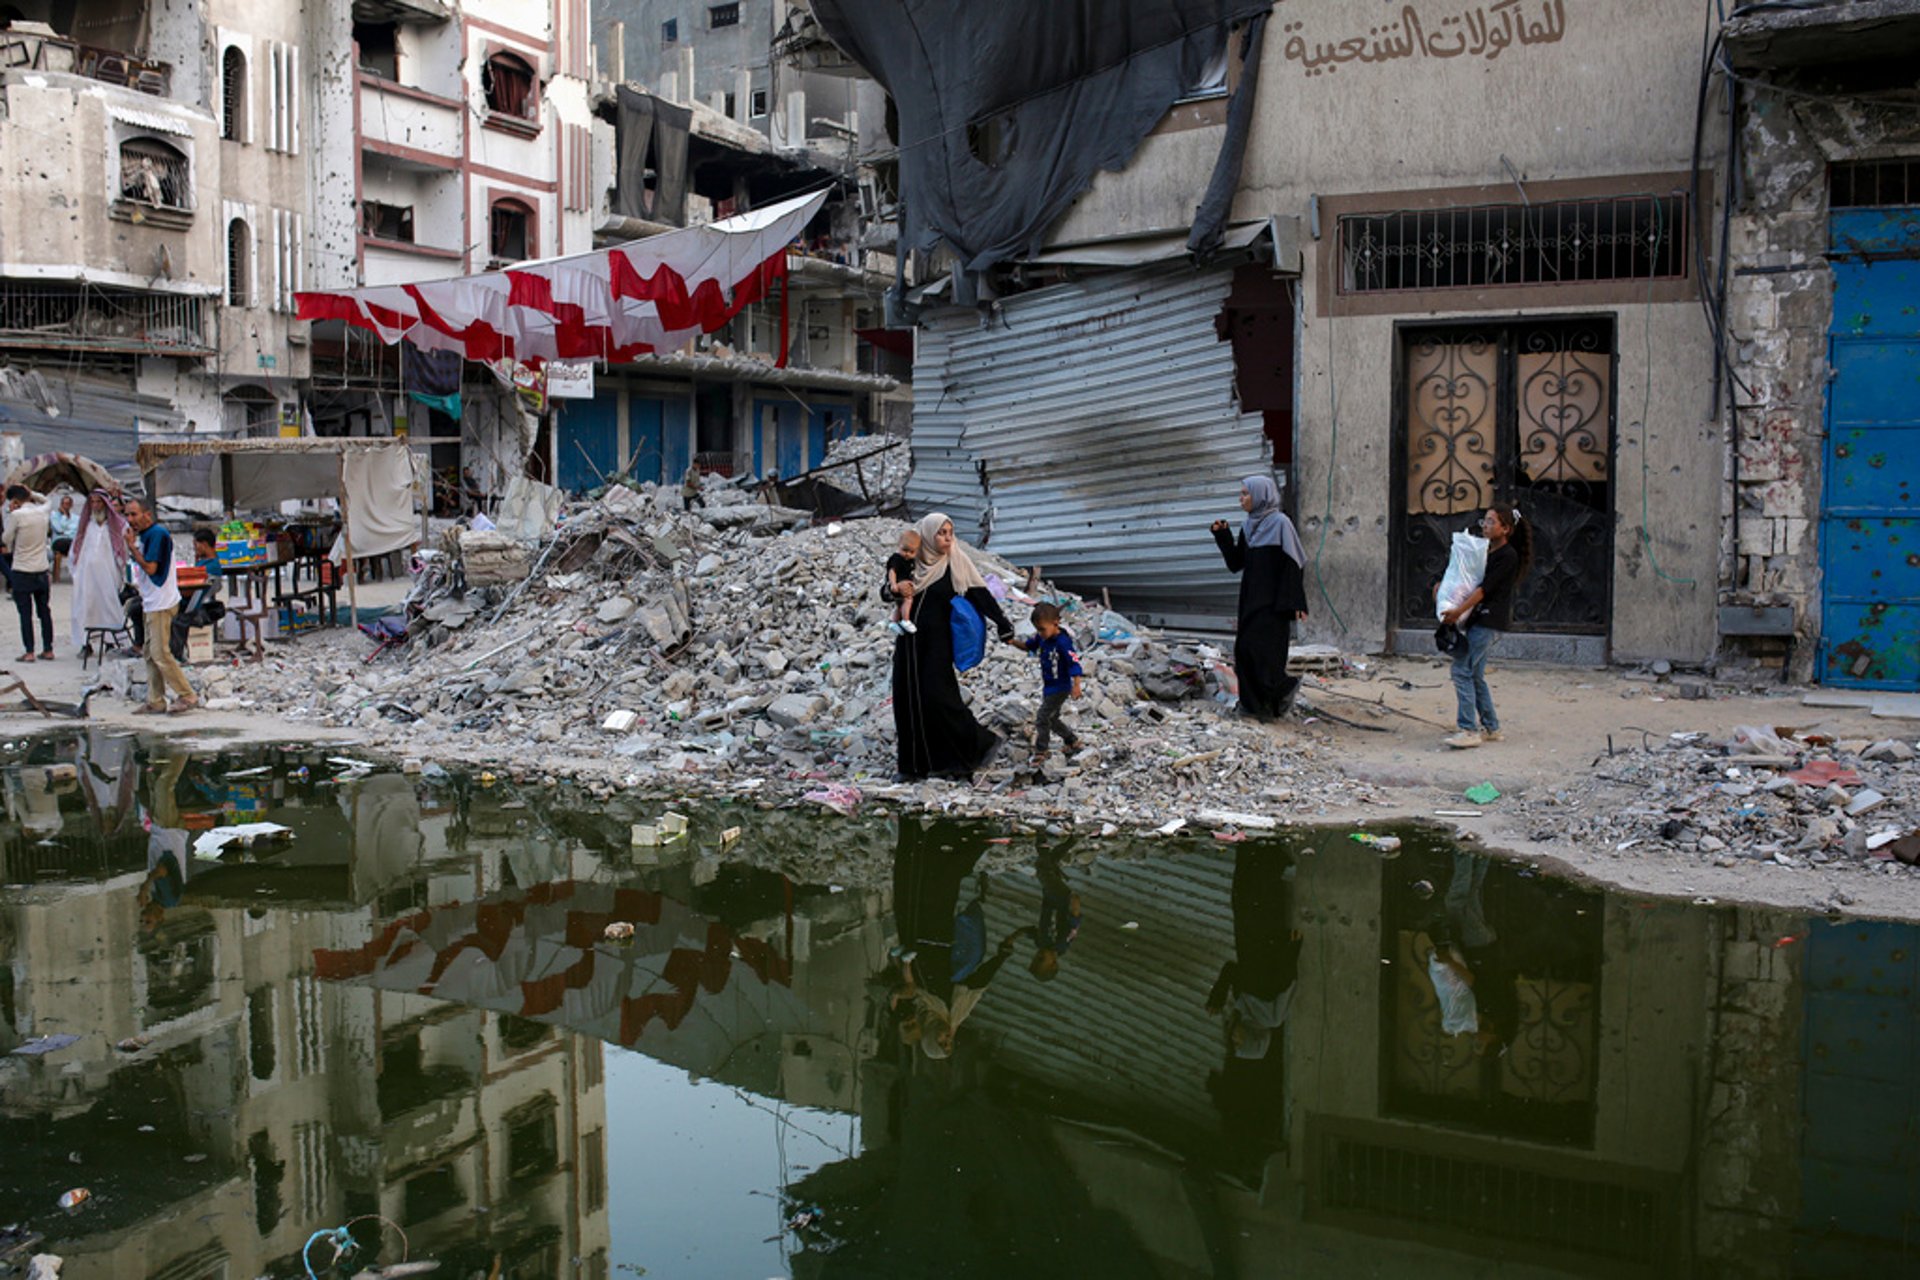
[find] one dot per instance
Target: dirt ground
(1556, 722)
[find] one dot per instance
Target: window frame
(182, 162)
(670, 31)
(530, 212)
(499, 117)
(730, 10)
(239, 289)
(235, 117)
(1328, 300)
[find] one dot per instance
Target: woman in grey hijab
(1273, 593)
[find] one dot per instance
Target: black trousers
(32, 594)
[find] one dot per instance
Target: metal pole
(346, 542)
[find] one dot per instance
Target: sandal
(150, 710)
(182, 706)
(46, 655)
(26, 657)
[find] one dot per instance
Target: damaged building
(806, 363)
(1821, 319)
(1412, 264)
(154, 200)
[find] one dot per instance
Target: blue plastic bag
(969, 635)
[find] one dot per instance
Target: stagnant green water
(410, 1016)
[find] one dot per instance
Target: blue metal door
(644, 444)
(1869, 523)
(1860, 1143)
(589, 441)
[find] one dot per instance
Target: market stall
(376, 482)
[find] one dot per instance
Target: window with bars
(1491, 246)
(1869, 184)
(723, 15)
(239, 263)
(508, 82)
(233, 95)
(152, 172)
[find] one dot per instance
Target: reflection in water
(942, 1050)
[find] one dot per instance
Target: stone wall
(1779, 305)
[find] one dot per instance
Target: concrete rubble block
(620, 721)
(1890, 750)
(615, 610)
(774, 661)
(790, 710)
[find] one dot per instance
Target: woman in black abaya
(1268, 558)
(938, 736)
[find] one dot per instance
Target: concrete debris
(878, 469)
(1797, 800)
(698, 652)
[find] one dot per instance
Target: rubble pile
(1795, 799)
(878, 471)
(736, 650)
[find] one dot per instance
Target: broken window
(233, 95)
(511, 231)
(386, 221)
(508, 82)
(152, 172)
(723, 15)
(533, 1146)
(239, 263)
(379, 45)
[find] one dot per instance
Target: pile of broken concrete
(1795, 799)
(743, 648)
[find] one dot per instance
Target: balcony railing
(34, 51)
(82, 318)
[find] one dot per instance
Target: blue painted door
(644, 443)
(1860, 1143)
(1869, 520)
(676, 426)
(783, 427)
(589, 442)
(825, 424)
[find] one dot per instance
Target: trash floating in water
(44, 1044)
(671, 826)
(73, 1199)
(840, 797)
(1381, 844)
(619, 931)
(212, 844)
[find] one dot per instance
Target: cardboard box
(200, 645)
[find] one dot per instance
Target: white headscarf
(1267, 525)
(933, 564)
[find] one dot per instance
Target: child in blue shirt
(1059, 678)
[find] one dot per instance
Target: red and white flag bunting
(646, 296)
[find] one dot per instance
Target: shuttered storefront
(1092, 428)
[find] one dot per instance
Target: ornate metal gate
(1519, 413)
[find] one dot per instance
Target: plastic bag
(1459, 1011)
(969, 635)
(1466, 568)
(1753, 740)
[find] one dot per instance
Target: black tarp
(1052, 93)
(648, 129)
